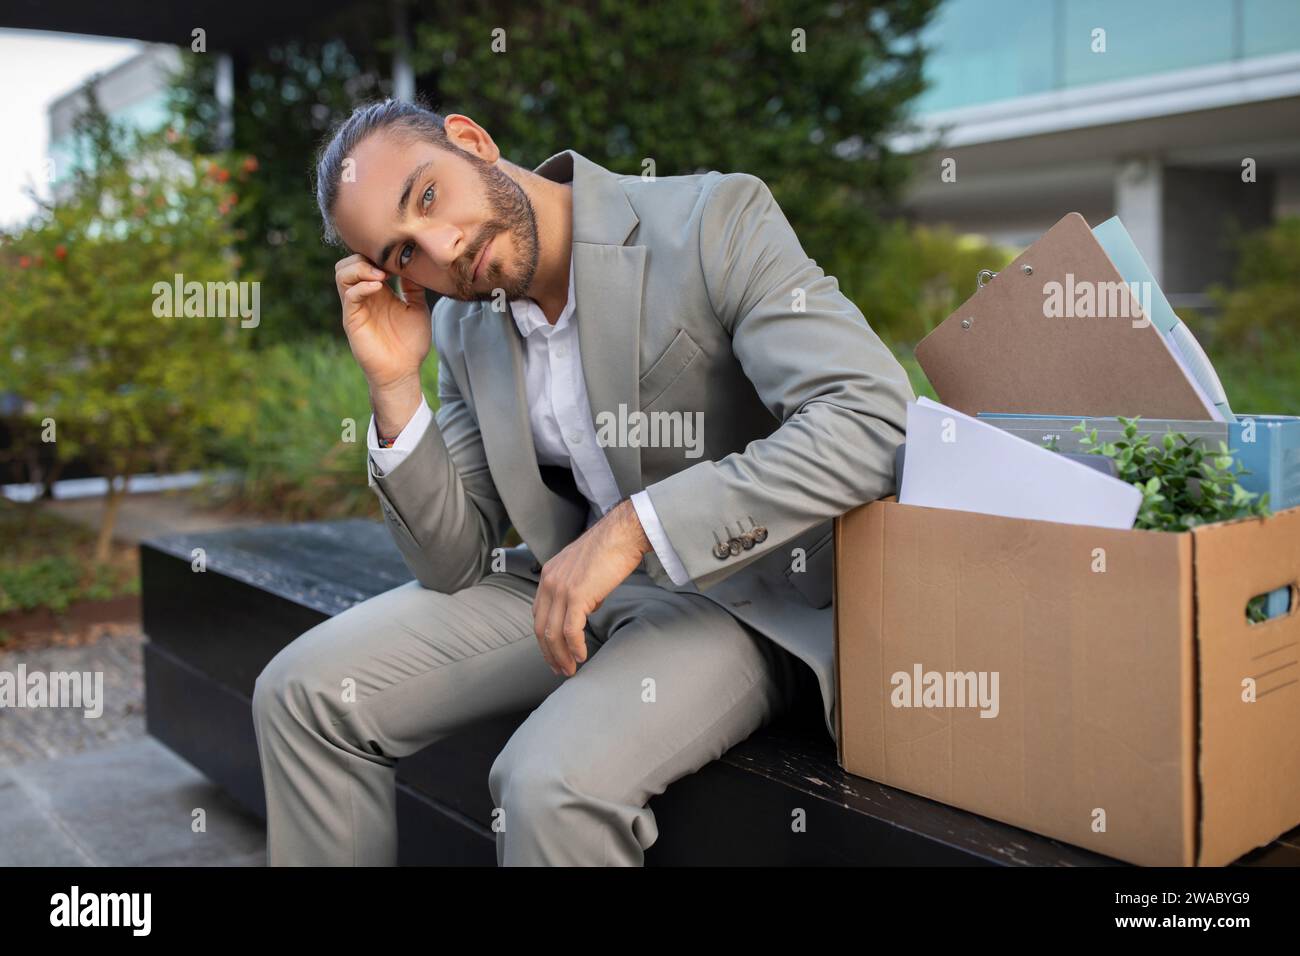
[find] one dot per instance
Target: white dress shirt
(560, 415)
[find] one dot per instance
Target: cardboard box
(1122, 658)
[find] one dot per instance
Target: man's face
(452, 205)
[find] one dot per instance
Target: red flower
(250, 164)
(222, 174)
(232, 198)
(24, 262)
(60, 252)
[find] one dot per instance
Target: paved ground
(97, 791)
(44, 733)
(147, 515)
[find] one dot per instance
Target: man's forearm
(394, 404)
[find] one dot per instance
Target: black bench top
(283, 578)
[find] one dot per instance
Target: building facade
(1180, 116)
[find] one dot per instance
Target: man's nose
(443, 246)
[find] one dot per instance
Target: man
(664, 396)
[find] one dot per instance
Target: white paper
(961, 463)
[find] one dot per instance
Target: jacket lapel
(608, 278)
(608, 282)
(494, 357)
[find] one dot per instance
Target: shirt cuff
(386, 459)
(654, 530)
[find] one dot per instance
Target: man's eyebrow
(402, 200)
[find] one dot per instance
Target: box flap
(1249, 743)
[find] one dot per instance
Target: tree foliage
(802, 95)
(98, 370)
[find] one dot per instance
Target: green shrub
(1263, 381)
(303, 454)
(920, 383)
(46, 582)
(48, 562)
(916, 277)
(1262, 308)
(1255, 338)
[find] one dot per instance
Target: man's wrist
(394, 406)
(630, 524)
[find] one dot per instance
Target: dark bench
(211, 634)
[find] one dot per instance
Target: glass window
(1153, 36)
(985, 50)
(1270, 26)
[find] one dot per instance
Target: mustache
(467, 271)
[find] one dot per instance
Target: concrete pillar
(224, 91)
(1184, 220)
(1139, 203)
(403, 74)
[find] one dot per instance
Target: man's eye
(404, 256)
(428, 196)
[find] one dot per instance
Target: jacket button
(734, 546)
(760, 534)
(721, 552)
(747, 540)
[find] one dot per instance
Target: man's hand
(389, 336)
(577, 580)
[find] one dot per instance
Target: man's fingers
(360, 271)
(555, 635)
(575, 638)
(555, 639)
(355, 294)
(347, 261)
(541, 610)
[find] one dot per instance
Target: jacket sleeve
(816, 364)
(439, 502)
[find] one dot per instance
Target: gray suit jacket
(693, 295)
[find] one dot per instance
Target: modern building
(1180, 116)
(134, 92)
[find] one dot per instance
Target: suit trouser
(671, 682)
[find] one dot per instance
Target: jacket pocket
(814, 582)
(666, 369)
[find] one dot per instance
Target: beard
(512, 215)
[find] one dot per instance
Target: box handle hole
(1271, 605)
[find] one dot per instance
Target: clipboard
(1009, 348)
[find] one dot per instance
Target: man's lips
(482, 258)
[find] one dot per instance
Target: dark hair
(411, 119)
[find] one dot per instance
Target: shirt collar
(529, 317)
